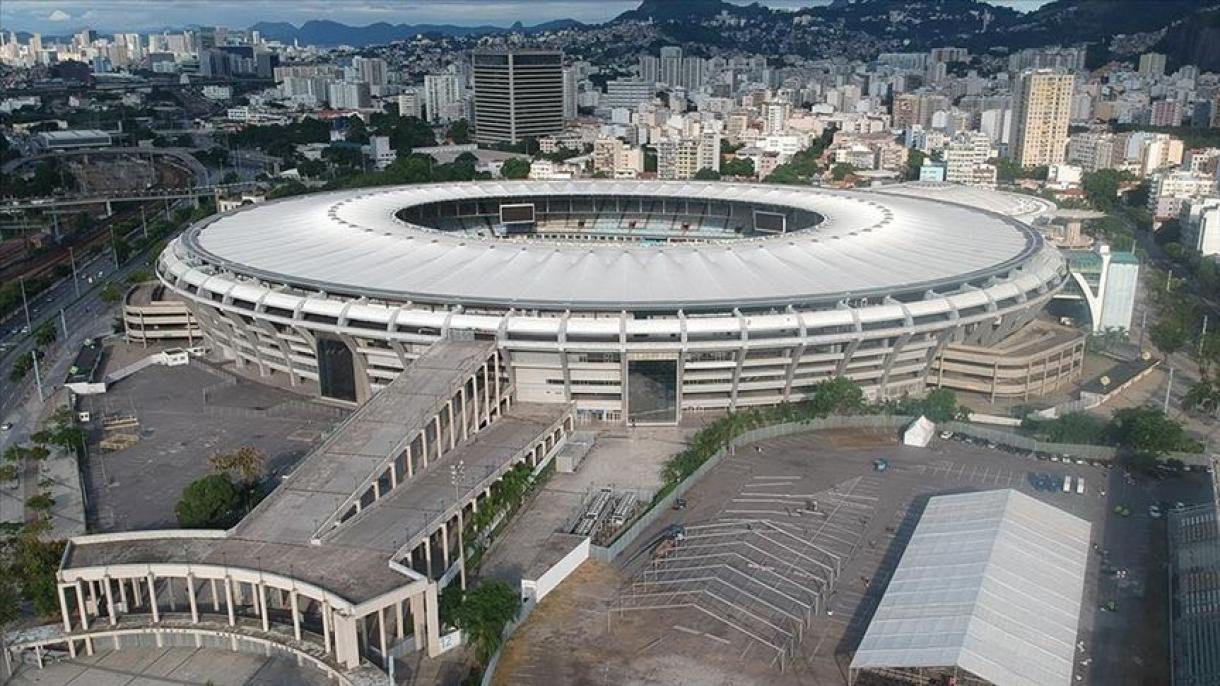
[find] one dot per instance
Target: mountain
(330, 33)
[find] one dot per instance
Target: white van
(1067, 484)
(1080, 485)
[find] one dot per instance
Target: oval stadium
(637, 301)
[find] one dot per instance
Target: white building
(965, 157)
(441, 91)
(1170, 188)
(380, 152)
(410, 104)
(1201, 225)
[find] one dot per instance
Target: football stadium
(636, 301)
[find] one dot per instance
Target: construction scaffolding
(763, 571)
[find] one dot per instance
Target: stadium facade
(635, 300)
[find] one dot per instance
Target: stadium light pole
(75, 277)
(457, 473)
(37, 374)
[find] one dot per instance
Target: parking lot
(184, 415)
(581, 634)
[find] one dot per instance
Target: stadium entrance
(652, 391)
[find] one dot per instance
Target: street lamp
(457, 474)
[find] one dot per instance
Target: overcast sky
(58, 16)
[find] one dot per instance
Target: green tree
(484, 613)
(111, 293)
(1101, 188)
(35, 562)
(915, 160)
(841, 171)
(459, 132)
(247, 462)
(515, 168)
(46, 334)
(707, 174)
(940, 405)
(737, 166)
(1147, 430)
(209, 502)
(839, 395)
(1168, 335)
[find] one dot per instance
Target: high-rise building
(517, 94)
(671, 66)
(1152, 64)
(371, 70)
(1042, 108)
(966, 160)
(347, 96)
(682, 158)
(569, 93)
(410, 104)
(650, 69)
(692, 77)
(1165, 113)
(440, 92)
(627, 93)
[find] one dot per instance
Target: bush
(483, 614)
(210, 502)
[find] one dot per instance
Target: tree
(209, 502)
(110, 293)
(915, 160)
(35, 562)
(1168, 335)
(839, 395)
(841, 171)
(515, 168)
(940, 405)
(484, 613)
(737, 166)
(46, 334)
(248, 462)
(459, 132)
(707, 174)
(1101, 188)
(1147, 430)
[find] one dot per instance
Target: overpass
(181, 155)
(56, 202)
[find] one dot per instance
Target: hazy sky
(66, 16)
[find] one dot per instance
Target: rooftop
(990, 582)
(869, 244)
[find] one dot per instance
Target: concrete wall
(537, 589)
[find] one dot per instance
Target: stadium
(637, 301)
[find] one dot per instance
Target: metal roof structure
(990, 583)
(1027, 208)
(868, 245)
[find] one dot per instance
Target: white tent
(919, 433)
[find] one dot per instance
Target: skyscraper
(569, 93)
(1042, 107)
(517, 94)
(671, 66)
(440, 92)
(650, 69)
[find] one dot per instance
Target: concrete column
(423, 445)
(123, 594)
(152, 599)
(474, 396)
(418, 620)
(445, 544)
(410, 468)
(296, 614)
(347, 646)
(110, 601)
(431, 609)
(461, 549)
(440, 436)
(80, 606)
(495, 380)
(63, 608)
(326, 624)
(377, 489)
(399, 630)
(394, 473)
(215, 597)
(381, 637)
(428, 555)
(93, 597)
(229, 600)
(465, 413)
(262, 604)
(135, 591)
(190, 598)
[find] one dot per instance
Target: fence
(1088, 452)
(649, 517)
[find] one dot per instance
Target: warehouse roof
(990, 583)
(869, 244)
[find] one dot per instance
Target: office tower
(1152, 64)
(650, 69)
(517, 94)
(671, 66)
(440, 92)
(1042, 107)
(569, 93)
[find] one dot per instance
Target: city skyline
(141, 15)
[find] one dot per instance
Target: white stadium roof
(991, 583)
(1027, 208)
(869, 245)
